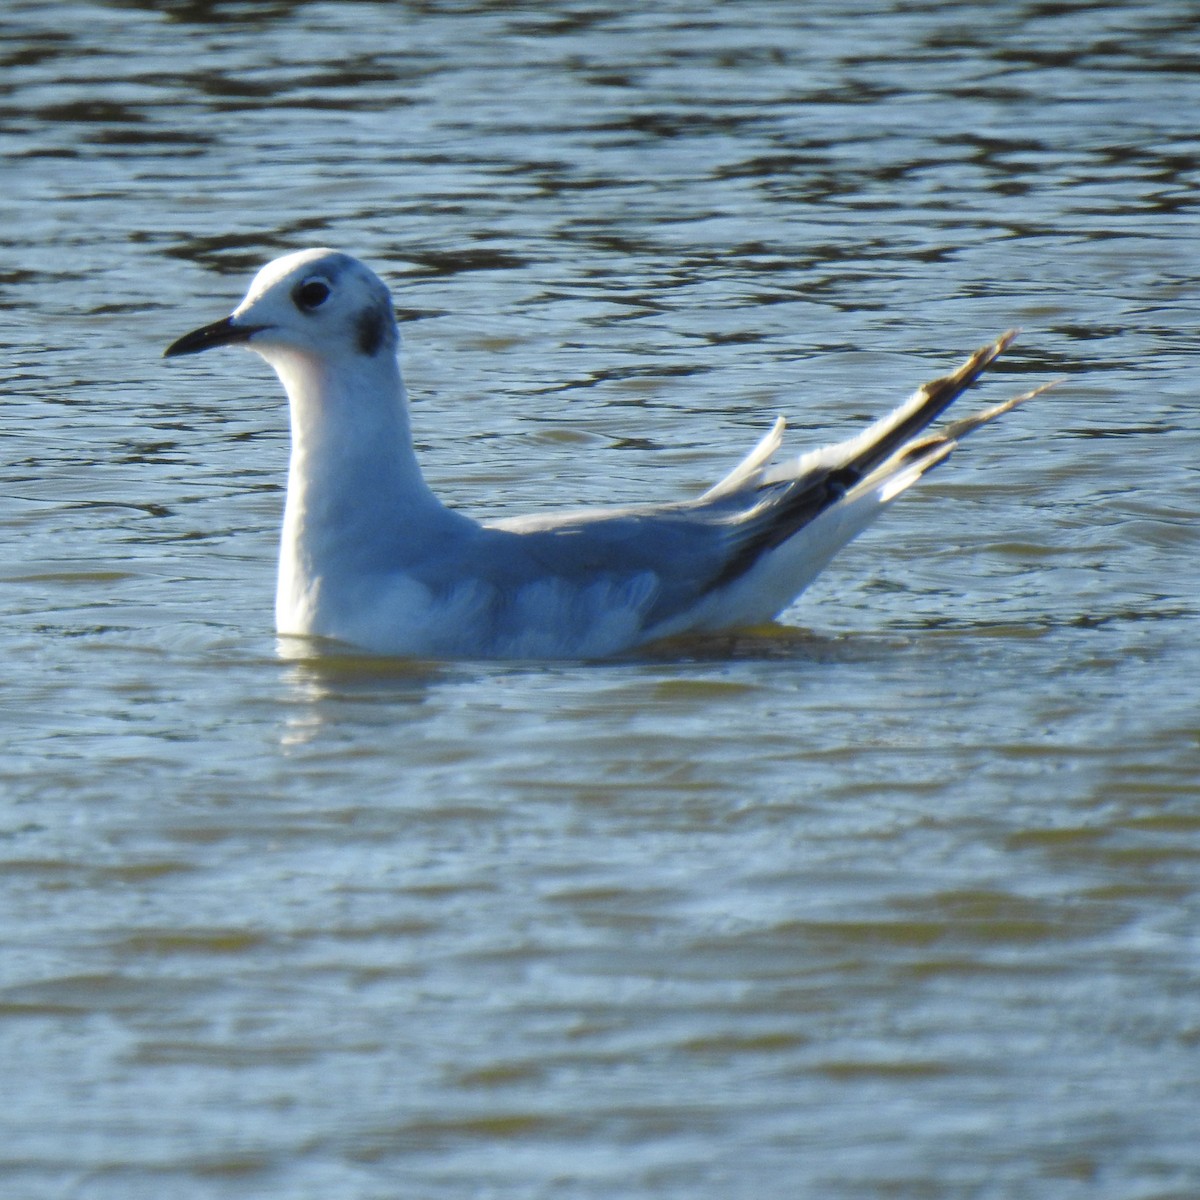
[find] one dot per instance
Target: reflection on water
(896, 898)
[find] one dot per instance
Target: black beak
(219, 333)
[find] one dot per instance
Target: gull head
(312, 305)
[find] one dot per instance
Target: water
(899, 900)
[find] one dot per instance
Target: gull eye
(312, 293)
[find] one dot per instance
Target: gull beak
(220, 333)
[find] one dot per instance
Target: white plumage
(370, 557)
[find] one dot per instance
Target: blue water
(898, 900)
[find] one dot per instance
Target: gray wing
(662, 560)
(697, 547)
(687, 549)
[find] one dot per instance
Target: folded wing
(752, 523)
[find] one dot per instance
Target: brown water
(902, 902)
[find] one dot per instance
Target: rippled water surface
(897, 900)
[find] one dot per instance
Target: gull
(371, 558)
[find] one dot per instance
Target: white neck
(356, 501)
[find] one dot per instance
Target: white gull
(370, 557)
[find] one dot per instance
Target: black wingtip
(935, 397)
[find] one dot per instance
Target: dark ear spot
(371, 331)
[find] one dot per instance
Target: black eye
(312, 293)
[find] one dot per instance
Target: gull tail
(866, 450)
(839, 489)
(926, 452)
(897, 430)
